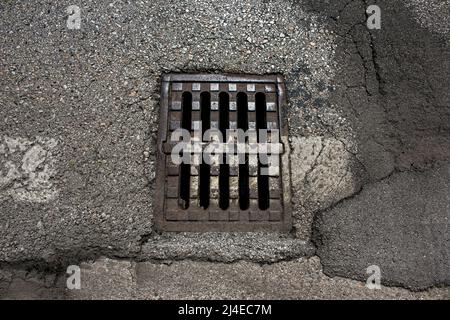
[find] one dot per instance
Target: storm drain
(223, 161)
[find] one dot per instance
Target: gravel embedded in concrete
(83, 106)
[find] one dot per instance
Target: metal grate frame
(168, 214)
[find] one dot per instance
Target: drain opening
(242, 123)
(224, 176)
(261, 123)
(185, 169)
(205, 109)
(233, 192)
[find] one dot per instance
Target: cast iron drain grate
(223, 162)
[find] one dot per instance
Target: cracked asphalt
(369, 124)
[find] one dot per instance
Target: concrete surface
(96, 91)
(122, 279)
(225, 247)
(400, 224)
(79, 112)
(26, 285)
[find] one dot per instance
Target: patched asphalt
(83, 105)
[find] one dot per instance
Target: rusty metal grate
(230, 192)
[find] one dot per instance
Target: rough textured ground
(122, 279)
(403, 227)
(368, 115)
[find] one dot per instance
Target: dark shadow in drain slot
(224, 175)
(261, 123)
(185, 168)
(242, 123)
(205, 169)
